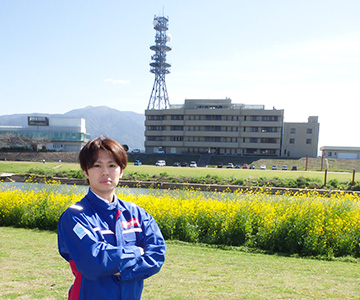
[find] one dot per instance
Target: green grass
(22, 167)
(32, 269)
(238, 173)
(25, 167)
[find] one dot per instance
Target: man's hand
(142, 252)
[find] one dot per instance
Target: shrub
(306, 224)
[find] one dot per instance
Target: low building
(51, 133)
(301, 139)
(340, 152)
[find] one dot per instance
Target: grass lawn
(32, 269)
(24, 167)
(238, 173)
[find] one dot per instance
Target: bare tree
(17, 140)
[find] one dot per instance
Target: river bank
(173, 186)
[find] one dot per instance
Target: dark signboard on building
(38, 121)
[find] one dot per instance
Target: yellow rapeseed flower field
(306, 224)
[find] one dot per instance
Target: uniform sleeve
(155, 249)
(94, 258)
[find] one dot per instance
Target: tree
(13, 140)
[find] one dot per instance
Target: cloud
(117, 81)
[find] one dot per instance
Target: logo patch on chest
(80, 230)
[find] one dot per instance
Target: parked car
(237, 167)
(245, 166)
(274, 167)
(252, 167)
(294, 168)
(284, 167)
(177, 164)
(262, 167)
(184, 164)
(160, 163)
(230, 166)
(220, 165)
(160, 151)
(193, 164)
(136, 150)
(137, 162)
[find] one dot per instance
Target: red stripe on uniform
(132, 222)
(118, 213)
(74, 292)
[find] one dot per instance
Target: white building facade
(340, 152)
(301, 139)
(50, 133)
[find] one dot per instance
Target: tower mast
(159, 98)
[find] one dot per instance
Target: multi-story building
(52, 133)
(301, 139)
(214, 126)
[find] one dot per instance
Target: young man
(111, 245)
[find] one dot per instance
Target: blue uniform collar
(100, 202)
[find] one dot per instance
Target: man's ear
(86, 174)
(121, 174)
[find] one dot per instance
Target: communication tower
(159, 98)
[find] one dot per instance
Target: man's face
(104, 175)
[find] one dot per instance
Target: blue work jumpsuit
(100, 239)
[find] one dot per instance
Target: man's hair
(90, 152)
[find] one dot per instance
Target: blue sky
(300, 56)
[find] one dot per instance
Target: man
(111, 245)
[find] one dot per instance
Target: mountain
(125, 127)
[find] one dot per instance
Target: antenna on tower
(159, 98)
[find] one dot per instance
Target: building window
(254, 129)
(177, 117)
(212, 139)
(268, 141)
(176, 138)
(213, 118)
(254, 118)
(292, 130)
(270, 118)
(292, 141)
(250, 151)
(253, 140)
(212, 128)
(176, 128)
(309, 131)
(155, 118)
(155, 138)
(269, 129)
(308, 141)
(155, 128)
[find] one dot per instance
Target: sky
(300, 56)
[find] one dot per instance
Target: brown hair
(90, 152)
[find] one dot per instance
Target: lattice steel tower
(159, 98)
